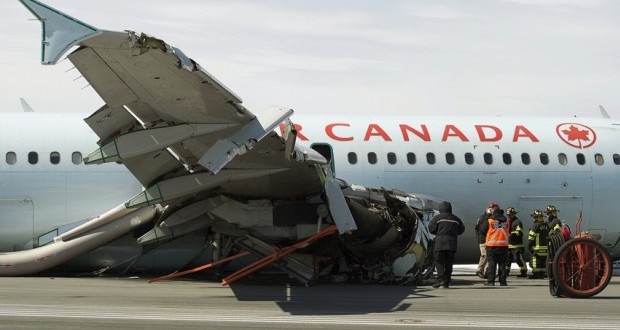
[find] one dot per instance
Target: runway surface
(131, 303)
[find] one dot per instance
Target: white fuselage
(36, 198)
(476, 161)
(503, 177)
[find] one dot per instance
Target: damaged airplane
(211, 168)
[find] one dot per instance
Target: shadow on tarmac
(346, 299)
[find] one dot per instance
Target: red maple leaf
(575, 133)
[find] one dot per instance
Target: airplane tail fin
(25, 105)
(603, 112)
(60, 31)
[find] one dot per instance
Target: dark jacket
(446, 227)
(516, 232)
(481, 219)
(538, 236)
(498, 215)
(554, 223)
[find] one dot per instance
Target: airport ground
(47, 302)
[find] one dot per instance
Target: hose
(556, 239)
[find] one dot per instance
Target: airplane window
(469, 158)
(562, 158)
(411, 158)
(450, 158)
(616, 159)
(54, 157)
(525, 158)
(391, 158)
(11, 158)
(352, 158)
(488, 158)
(581, 159)
(430, 158)
(544, 158)
(598, 159)
(76, 158)
(507, 158)
(33, 157)
(372, 158)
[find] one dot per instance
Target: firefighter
(538, 245)
(552, 217)
(515, 242)
(496, 230)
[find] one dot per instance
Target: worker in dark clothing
(515, 242)
(538, 245)
(497, 230)
(482, 262)
(446, 227)
(555, 224)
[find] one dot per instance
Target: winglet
(60, 31)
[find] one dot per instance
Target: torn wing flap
(338, 206)
(107, 122)
(224, 150)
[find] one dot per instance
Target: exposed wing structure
(167, 118)
(212, 164)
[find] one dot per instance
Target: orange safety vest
(498, 233)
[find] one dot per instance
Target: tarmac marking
(392, 319)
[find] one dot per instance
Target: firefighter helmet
(537, 214)
(511, 210)
(551, 209)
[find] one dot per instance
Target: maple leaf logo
(576, 135)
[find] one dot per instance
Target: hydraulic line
(199, 268)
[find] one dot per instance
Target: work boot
(481, 275)
(503, 284)
(523, 273)
(489, 284)
(437, 284)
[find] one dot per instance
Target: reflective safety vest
(498, 233)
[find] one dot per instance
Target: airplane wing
(209, 161)
(165, 117)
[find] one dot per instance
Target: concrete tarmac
(131, 303)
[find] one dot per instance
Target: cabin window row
(33, 158)
(487, 158)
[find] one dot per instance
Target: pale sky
(443, 57)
